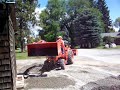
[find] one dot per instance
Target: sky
(43, 3)
(113, 6)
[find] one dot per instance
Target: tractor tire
(62, 64)
(70, 61)
(47, 66)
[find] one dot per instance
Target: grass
(102, 47)
(23, 55)
(118, 47)
(20, 55)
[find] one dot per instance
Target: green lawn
(24, 55)
(102, 47)
(20, 55)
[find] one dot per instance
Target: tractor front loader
(57, 56)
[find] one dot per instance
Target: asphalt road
(93, 69)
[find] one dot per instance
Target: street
(93, 69)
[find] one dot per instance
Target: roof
(115, 34)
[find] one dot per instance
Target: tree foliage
(78, 21)
(108, 40)
(117, 22)
(24, 16)
(101, 4)
(87, 29)
(50, 19)
(84, 24)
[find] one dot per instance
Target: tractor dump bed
(43, 49)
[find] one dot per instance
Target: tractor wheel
(47, 66)
(70, 61)
(62, 64)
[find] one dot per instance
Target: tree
(87, 29)
(108, 40)
(50, 19)
(84, 23)
(72, 9)
(101, 4)
(24, 15)
(117, 22)
(78, 21)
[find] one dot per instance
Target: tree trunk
(21, 36)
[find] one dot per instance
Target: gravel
(93, 69)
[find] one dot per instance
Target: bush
(108, 39)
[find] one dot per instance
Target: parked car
(20, 81)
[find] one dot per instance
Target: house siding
(117, 41)
(7, 56)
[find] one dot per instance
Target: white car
(20, 81)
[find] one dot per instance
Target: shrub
(108, 39)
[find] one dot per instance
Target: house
(116, 35)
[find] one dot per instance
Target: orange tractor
(57, 55)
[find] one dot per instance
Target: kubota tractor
(57, 56)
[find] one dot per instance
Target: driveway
(93, 69)
(106, 55)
